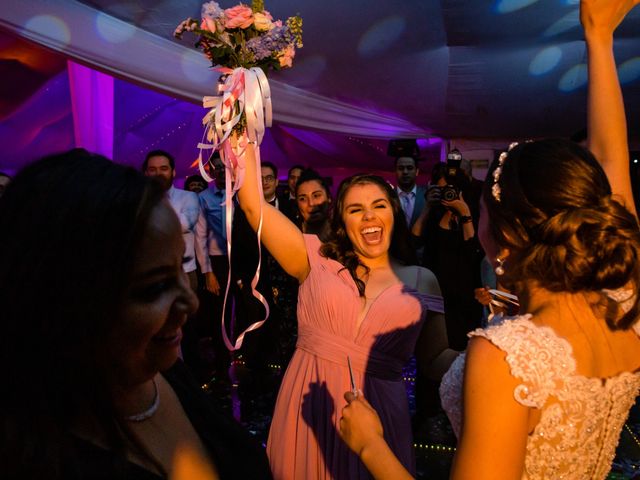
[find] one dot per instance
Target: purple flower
(265, 45)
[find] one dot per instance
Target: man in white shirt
(161, 165)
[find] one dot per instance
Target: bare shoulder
(483, 351)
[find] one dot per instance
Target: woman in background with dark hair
(452, 251)
(93, 300)
(313, 202)
(360, 298)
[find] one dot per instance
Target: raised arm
(607, 126)
(281, 237)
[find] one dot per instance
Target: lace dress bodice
(581, 418)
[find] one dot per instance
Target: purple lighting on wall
(92, 106)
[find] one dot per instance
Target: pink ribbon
(244, 91)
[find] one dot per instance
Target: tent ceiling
(487, 69)
(484, 68)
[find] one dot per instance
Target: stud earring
(499, 269)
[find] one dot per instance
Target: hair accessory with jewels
(623, 296)
(495, 189)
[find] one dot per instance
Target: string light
(434, 448)
(151, 113)
(359, 141)
(163, 137)
(635, 439)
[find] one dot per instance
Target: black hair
(308, 175)
(415, 160)
(579, 136)
(70, 225)
(158, 153)
(299, 167)
(340, 247)
(273, 168)
(193, 178)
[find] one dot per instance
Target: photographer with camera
(447, 229)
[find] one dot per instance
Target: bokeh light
(567, 22)
(629, 70)
(381, 36)
(50, 26)
(545, 61)
(508, 6)
(574, 78)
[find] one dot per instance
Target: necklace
(149, 412)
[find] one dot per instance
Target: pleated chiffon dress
(303, 441)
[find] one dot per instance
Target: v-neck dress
(303, 440)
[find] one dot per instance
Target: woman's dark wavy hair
(561, 225)
(70, 225)
(340, 247)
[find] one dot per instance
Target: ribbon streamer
(244, 91)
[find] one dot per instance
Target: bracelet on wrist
(466, 219)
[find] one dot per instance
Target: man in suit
(411, 196)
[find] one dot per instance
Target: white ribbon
(243, 92)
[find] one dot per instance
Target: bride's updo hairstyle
(551, 206)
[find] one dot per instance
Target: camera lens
(449, 193)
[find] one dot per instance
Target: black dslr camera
(451, 191)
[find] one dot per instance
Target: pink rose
(208, 24)
(239, 16)
(286, 56)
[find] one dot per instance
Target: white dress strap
(536, 356)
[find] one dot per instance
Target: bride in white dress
(545, 394)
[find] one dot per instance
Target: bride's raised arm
(281, 237)
(607, 126)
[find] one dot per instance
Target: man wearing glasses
(270, 183)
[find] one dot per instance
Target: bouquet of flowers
(242, 43)
(244, 36)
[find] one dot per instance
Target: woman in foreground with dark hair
(93, 300)
(546, 393)
(361, 297)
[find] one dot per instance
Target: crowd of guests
(113, 295)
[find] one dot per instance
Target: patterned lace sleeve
(536, 356)
(451, 393)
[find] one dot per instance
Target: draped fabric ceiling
(477, 74)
